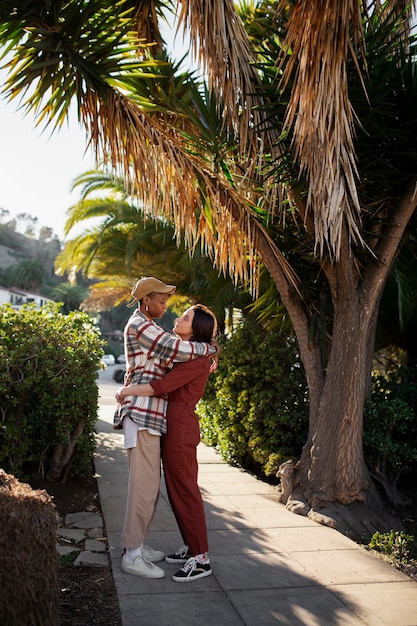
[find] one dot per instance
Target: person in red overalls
(184, 385)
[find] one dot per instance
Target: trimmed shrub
(255, 410)
(48, 390)
(28, 555)
(255, 407)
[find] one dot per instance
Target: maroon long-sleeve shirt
(185, 383)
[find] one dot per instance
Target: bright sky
(37, 169)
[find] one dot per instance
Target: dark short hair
(204, 324)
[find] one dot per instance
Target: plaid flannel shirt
(149, 352)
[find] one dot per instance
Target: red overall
(185, 385)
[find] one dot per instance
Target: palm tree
(316, 169)
(121, 244)
(28, 274)
(70, 295)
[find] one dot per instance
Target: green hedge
(390, 427)
(48, 390)
(255, 408)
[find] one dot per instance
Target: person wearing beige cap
(150, 352)
(184, 385)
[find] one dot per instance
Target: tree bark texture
(62, 455)
(332, 471)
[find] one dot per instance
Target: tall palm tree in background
(70, 295)
(119, 244)
(28, 274)
(311, 168)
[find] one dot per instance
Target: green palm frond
(66, 52)
(124, 243)
(98, 180)
(142, 143)
(159, 132)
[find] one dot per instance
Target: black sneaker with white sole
(180, 556)
(192, 570)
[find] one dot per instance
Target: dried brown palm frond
(147, 14)
(319, 38)
(150, 158)
(104, 296)
(221, 44)
(160, 171)
(401, 10)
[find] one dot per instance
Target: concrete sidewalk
(270, 566)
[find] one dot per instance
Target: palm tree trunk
(309, 351)
(331, 475)
(332, 467)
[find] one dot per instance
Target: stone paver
(83, 533)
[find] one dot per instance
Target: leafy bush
(255, 409)
(390, 428)
(397, 545)
(48, 390)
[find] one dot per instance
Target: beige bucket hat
(147, 285)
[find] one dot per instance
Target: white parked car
(108, 359)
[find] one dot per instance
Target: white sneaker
(152, 555)
(142, 567)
